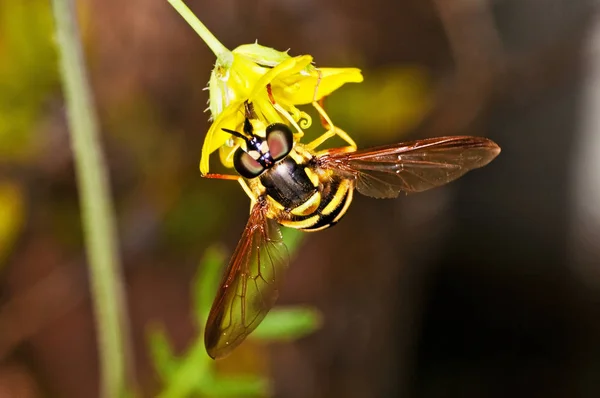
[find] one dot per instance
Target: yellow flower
(293, 82)
(243, 75)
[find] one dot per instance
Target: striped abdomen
(305, 197)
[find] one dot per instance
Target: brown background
(472, 290)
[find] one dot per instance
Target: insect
(294, 185)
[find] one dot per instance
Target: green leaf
(195, 371)
(237, 387)
(292, 238)
(287, 324)
(28, 73)
(207, 281)
(161, 353)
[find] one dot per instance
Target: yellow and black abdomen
(306, 198)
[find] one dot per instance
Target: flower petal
(231, 118)
(299, 89)
(285, 69)
(228, 85)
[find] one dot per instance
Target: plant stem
(96, 206)
(224, 56)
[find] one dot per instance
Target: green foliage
(194, 373)
(288, 324)
(28, 72)
(400, 97)
(207, 280)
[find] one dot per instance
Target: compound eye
(246, 165)
(280, 140)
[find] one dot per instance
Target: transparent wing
(250, 285)
(415, 166)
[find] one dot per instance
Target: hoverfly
(294, 185)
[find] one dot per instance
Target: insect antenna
(249, 136)
(236, 134)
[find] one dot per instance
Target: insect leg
(283, 112)
(233, 177)
(331, 129)
(326, 121)
(230, 177)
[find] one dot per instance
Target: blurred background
(488, 287)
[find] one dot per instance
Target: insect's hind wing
(414, 166)
(250, 285)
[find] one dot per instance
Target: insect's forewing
(415, 166)
(250, 285)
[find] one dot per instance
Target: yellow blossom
(293, 81)
(243, 75)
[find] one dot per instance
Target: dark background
(488, 287)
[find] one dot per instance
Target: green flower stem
(223, 55)
(97, 210)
